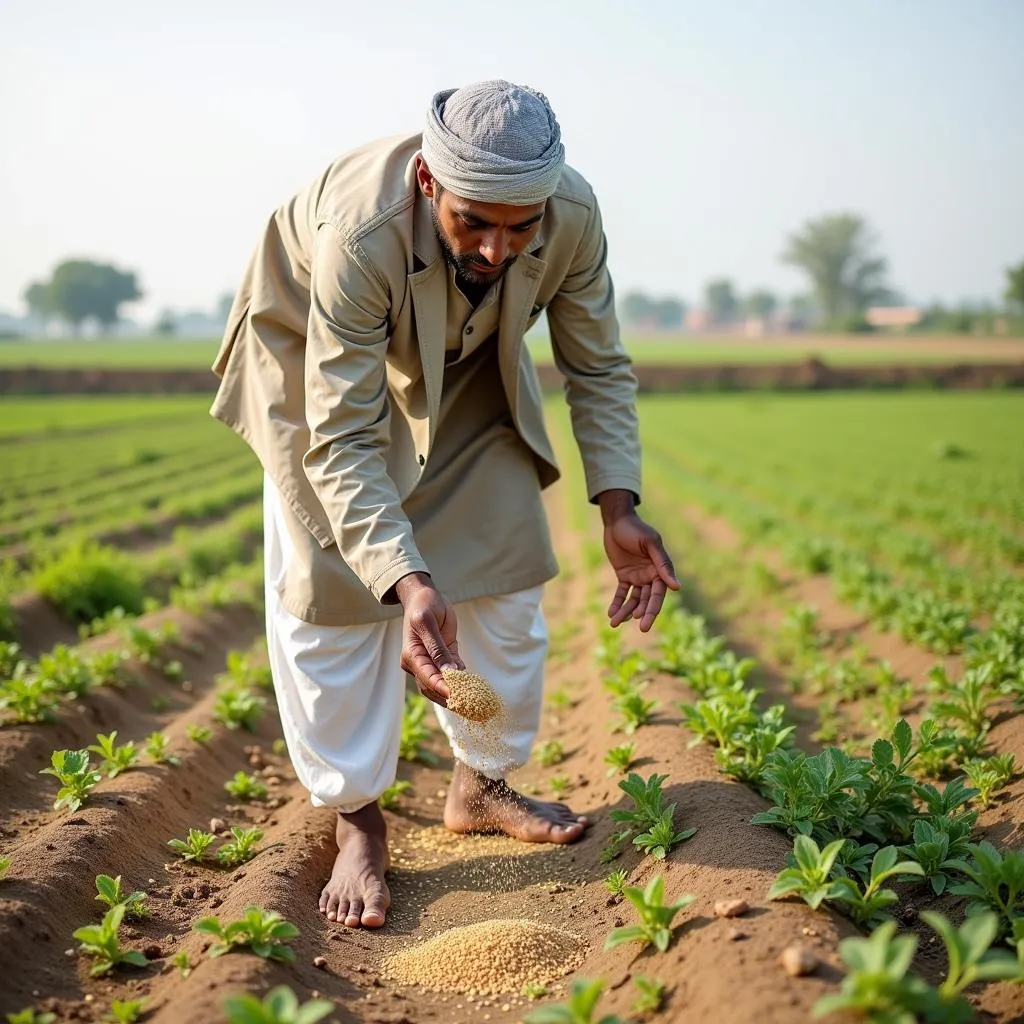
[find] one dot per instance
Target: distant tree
(669, 313)
(760, 303)
(721, 300)
(836, 252)
(636, 308)
(38, 300)
(1014, 294)
(79, 289)
(166, 323)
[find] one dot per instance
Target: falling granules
(471, 696)
(490, 958)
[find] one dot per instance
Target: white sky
(161, 141)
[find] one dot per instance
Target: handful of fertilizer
(471, 696)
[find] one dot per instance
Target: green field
(170, 353)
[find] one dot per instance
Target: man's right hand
(429, 640)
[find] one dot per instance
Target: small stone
(89, 997)
(217, 825)
(69, 952)
(153, 952)
(809, 931)
(731, 908)
(797, 961)
(151, 881)
(320, 961)
(735, 934)
(186, 686)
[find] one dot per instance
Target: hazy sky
(161, 142)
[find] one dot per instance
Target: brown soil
(438, 880)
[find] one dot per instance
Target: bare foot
(478, 804)
(357, 893)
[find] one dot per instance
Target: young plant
(550, 753)
(931, 850)
(182, 962)
(29, 1016)
(967, 702)
(655, 926)
(265, 932)
(650, 995)
(659, 839)
(76, 776)
(579, 1008)
(116, 759)
(810, 876)
(987, 775)
(108, 891)
(5, 863)
(868, 907)
(648, 802)
(156, 749)
(635, 711)
(241, 848)
(246, 787)
(28, 698)
(239, 708)
(102, 942)
(415, 731)
(64, 670)
(193, 847)
(560, 700)
(995, 881)
(616, 882)
(107, 668)
(389, 798)
(199, 733)
(620, 759)
(876, 984)
(279, 1006)
(559, 785)
(125, 1011)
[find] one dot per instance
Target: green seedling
(661, 837)
(174, 670)
(199, 733)
(29, 1016)
(246, 787)
(5, 864)
(560, 700)
(239, 708)
(534, 990)
(243, 669)
(107, 668)
(390, 797)
(279, 747)
(279, 1006)
(869, 906)
(115, 759)
(620, 759)
(241, 848)
(995, 881)
(579, 1008)
(876, 984)
(194, 846)
(655, 926)
(559, 785)
(989, 774)
(156, 749)
(548, 754)
(265, 932)
(967, 702)
(650, 995)
(76, 776)
(616, 882)
(648, 802)
(65, 671)
(11, 656)
(182, 962)
(635, 711)
(109, 891)
(930, 849)
(415, 731)
(103, 943)
(28, 699)
(810, 876)
(146, 645)
(125, 1011)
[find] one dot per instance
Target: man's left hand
(641, 563)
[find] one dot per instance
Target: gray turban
(494, 142)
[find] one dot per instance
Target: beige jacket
(333, 356)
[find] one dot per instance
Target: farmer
(374, 361)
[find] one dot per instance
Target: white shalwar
(341, 691)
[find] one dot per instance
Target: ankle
(368, 818)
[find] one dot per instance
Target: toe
(355, 913)
(325, 897)
(337, 909)
(566, 833)
(376, 909)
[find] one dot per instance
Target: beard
(464, 264)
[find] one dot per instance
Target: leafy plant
(65, 670)
(5, 863)
(102, 941)
(194, 846)
(76, 776)
(29, 1016)
(635, 710)
(615, 882)
(156, 749)
(648, 801)
(241, 848)
(244, 669)
(116, 759)
(989, 774)
(107, 667)
(577, 1009)
(239, 708)
(534, 990)
(87, 580)
(620, 759)
(559, 785)
(265, 932)
(108, 891)
(389, 798)
(656, 917)
(182, 962)
(125, 1011)
(246, 787)
(869, 906)
(415, 731)
(659, 839)
(28, 698)
(650, 994)
(279, 1006)
(199, 733)
(549, 754)
(930, 849)
(810, 876)
(995, 881)
(560, 700)
(967, 701)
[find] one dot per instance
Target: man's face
(481, 240)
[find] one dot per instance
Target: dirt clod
(471, 696)
(735, 934)
(320, 961)
(217, 825)
(731, 908)
(798, 960)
